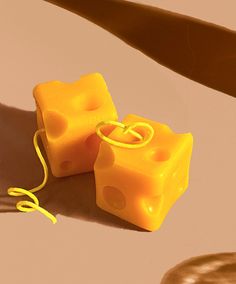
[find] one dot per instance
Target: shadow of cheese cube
(140, 185)
(69, 112)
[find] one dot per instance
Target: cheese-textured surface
(140, 185)
(69, 112)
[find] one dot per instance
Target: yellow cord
(126, 129)
(28, 206)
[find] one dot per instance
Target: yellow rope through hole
(28, 206)
(126, 129)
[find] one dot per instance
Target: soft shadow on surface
(19, 166)
(217, 268)
(199, 50)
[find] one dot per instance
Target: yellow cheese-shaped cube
(140, 185)
(69, 112)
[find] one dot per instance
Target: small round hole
(66, 165)
(161, 155)
(87, 101)
(94, 104)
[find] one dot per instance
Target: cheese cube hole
(69, 112)
(114, 197)
(55, 123)
(79, 102)
(160, 155)
(87, 101)
(93, 106)
(141, 185)
(93, 101)
(66, 165)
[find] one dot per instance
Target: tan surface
(41, 42)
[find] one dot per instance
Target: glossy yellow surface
(69, 112)
(140, 185)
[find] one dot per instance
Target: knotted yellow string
(127, 129)
(28, 206)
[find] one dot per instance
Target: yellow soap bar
(140, 185)
(69, 112)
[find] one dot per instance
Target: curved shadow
(72, 196)
(196, 49)
(211, 269)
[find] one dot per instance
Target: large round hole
(55, 123)
(114, 197)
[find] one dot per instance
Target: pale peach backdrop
(41, 42)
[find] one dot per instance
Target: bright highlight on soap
(141, 167)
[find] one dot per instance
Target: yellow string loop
(126, 129)
(28, 206)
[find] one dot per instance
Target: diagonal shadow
(72, 196)
(196, 49)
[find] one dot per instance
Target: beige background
(41, 42)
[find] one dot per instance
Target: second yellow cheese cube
(69, 112)
(140, 185)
